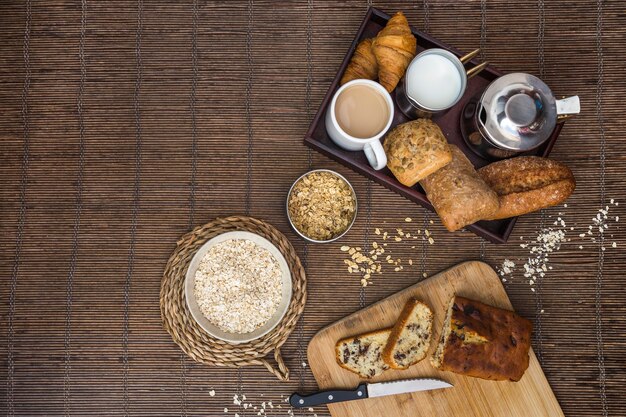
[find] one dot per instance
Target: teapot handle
(567, 107)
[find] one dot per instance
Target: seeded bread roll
(415, 150)
(410, 336)
(528, 183)
(362, 354)
(483, 341)
(459, 194)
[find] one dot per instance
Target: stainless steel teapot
(515, 114)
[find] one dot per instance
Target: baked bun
(415, 150)
(458, 194)
(527, 183)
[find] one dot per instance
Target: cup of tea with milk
(360, 113)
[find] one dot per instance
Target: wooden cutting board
(529, 397)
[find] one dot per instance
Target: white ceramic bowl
(212, 329)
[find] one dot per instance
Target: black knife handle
(328, 397)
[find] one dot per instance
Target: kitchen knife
(364, 390)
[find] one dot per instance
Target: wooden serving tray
(531, 396)
(317, 138)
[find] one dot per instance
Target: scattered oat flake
(408, 220)
(431, 240)
(212, 393)
(614, 244)
(377, 231)
(345, 248)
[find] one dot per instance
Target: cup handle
(375, 154)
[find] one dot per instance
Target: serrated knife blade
(404, 386)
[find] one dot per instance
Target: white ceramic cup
(371, 146)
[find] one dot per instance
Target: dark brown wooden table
(123, 124)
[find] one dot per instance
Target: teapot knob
(521, 109)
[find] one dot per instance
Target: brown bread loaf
(528, 183)
(483, 341)
(459, 194)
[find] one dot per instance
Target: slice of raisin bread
(362, 354)
(410, 337)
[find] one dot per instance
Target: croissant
(363, 63)
(394, 48)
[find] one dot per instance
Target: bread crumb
(212, 393)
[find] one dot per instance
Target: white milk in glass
(433, 81)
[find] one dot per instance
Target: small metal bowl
(356, 206)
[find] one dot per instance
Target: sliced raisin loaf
(410, 337)
(362, 354)
(483, 341)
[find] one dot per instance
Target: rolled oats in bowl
(321, 206)
(238, 285)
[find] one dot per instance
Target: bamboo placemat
(126, 124)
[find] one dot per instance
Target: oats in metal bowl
(321, 206)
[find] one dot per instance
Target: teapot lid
(517, 112)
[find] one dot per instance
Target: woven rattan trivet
(191, 338)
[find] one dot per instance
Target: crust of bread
(486, 342)
(350, 339)
(396, 331)
(458, 194)
(528, 183)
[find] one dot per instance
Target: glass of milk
(434, 81)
